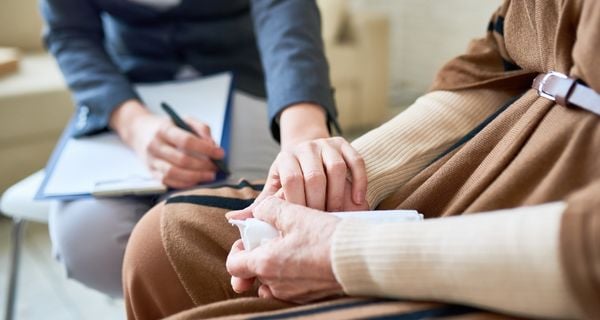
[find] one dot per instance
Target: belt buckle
(547, 76)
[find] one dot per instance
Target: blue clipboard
(146, 187)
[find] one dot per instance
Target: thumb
(277, 212)
(240, 214)
(247, 212)
(270, 188)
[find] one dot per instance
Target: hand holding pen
(219, 163)
(174, 156)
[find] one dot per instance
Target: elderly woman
(511, 132)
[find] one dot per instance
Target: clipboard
(103, 166)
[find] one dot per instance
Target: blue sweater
(102, 46)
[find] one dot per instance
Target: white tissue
(255, 232)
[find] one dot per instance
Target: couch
(35, 104)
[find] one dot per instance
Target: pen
(182, 125)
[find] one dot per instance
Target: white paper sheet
(204, 99)
(105, 164)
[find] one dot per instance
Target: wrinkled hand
(295, 267)
(177, 158)
(324, 174)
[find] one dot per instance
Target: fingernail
(230, 214)
(359, 198)
(232, 282)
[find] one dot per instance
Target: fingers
(240, 285)
(189, 143)
(269, 210)
(325, 164)
(318, 291)
(300, 290)
(359, 175)
(292, 180)
(179, 178)
(280, 214)
(336, 178)
(272, 185)
(161, 149)
(200, 128)
(289, 267)
(349, 204)
(234, 264)
(315, 174)
(240, 214)
(265, 292)
(241, 263)
(280, 195)
(181, 159)
(315, 181)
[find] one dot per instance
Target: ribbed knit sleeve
(504, 260)
(400, 148)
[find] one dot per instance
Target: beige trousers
(175, 267)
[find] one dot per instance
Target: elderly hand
(176, 157)
(295, 267)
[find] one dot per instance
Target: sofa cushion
(35, 106)
(9, 60)
(34, 100)
(20, 24)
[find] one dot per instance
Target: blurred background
(383, 54)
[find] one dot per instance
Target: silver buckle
(543, 82)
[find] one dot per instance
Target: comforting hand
(176, 157)
(313, 169)
(315, 174)
(295, 267)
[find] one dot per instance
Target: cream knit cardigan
(506, 261)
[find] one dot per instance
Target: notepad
(102, 165)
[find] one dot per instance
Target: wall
(425, 34)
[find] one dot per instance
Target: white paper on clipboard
(102, 165)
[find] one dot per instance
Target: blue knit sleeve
(291, 47)
(74, 35)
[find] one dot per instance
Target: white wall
(425, 34)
